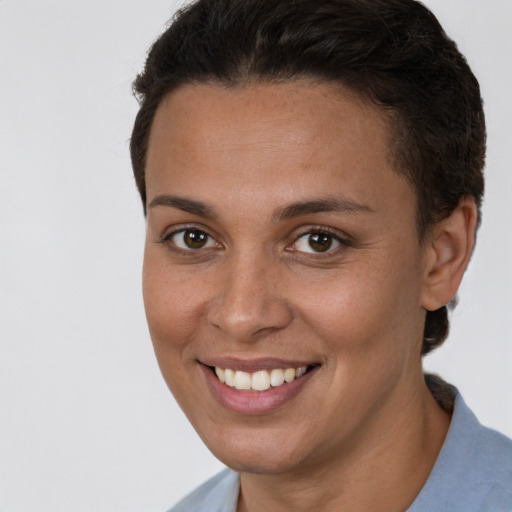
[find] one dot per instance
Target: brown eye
(316, 242)
(192, 239)
(320, 242)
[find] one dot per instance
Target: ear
(448, 250)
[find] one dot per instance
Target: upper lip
(256, 364)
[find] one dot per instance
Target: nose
(250, 300)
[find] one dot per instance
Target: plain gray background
(86, 422)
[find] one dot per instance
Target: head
(311, 176)
(392, 54)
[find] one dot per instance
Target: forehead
(305, 139)
(296, 107)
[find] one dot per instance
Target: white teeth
(221, 374)
(276, 377)
(242, 380)
(260, 380)
(289, 374)
(230, 377)
(299, 372)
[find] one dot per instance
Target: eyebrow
(185, 204)
(296, 209)
(320, 205)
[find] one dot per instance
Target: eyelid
(170, 232)
(176, 228)
(342, 239)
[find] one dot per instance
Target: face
(282, 272)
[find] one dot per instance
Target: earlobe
(448, 251)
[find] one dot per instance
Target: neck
(383, 468)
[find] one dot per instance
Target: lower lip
(254, 402)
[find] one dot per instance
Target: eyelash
(167, 239)
(320, 230)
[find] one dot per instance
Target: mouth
(256, 387)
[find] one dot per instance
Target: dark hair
(392, 52)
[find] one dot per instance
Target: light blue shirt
(473, 473)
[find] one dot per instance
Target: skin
(364, 431)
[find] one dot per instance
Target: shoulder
(490, 458)
(219, 494)
(473, 471)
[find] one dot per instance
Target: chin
(257, 452)
(260, 462)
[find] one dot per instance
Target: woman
(312, 177)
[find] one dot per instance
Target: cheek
(171, 326)
(364, 307)
(170, 303)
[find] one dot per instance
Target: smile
(256, 386)
(261, 380)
